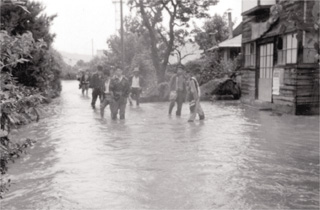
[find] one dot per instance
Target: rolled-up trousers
(195, 109)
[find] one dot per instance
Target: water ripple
(237, 158)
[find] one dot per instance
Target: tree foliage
(137, 50)
(26, 27)
(214, 31)
(18, 17)
(167, 35)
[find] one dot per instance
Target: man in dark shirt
(178, 89)
(97, 84)
(84, 82)
(120, 89)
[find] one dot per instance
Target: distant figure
(177, 87)
(136, 84)
(97, 84)
(107, 95)
(79, 76)
(84, 82)
(194, 94)
(120, 89)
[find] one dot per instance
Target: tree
(80, 63)
(137, 49)
(18, 17)
(42, 64)
(165, 37)
(214, 30)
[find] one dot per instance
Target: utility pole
(122, 38)
(92, 47)
(117, 15)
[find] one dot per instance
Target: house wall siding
(299, 91)
(248, 88)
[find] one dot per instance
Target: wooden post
(122, 36)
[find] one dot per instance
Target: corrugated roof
(234, 42)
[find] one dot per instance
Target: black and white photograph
(160, 105)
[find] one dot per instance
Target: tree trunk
(153, 41)
(156, 60)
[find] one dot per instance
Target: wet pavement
(238, 158)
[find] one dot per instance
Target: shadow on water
(237, 158)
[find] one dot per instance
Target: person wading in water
(120, 89)
(107, 95)
(136, 83)
(97, 84)
(84, 82)
(177, 87)
(194, 94)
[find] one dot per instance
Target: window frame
(288, 55)
(250, 53)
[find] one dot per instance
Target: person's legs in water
(138, 97)
(172, 103)
(95, 93)
(87, 89)
(103, 105)
(193, 111)
(100, 95)
(130, 98)
(135, 95)
(180, 100)
(200, 111)
(195, 108)
(83, 87)
(114, 107)
(122, 108)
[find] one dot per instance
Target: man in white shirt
(136, 83)
(107, 95)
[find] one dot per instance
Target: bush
(211, 66)
(29, 72)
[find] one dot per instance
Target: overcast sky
(81, 21)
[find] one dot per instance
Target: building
(280, 64)
(230, 48)
(188, 52)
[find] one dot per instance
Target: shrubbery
(29, 72)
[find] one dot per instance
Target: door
(266, 72)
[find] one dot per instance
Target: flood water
(238, 158)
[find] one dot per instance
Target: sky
(83, 25)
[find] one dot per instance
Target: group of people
(181, 84)
(116, 90)
(112, 90)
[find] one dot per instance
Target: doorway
(265, 72)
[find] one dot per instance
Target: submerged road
(238, 158)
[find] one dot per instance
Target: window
(250, 55)
(287, 49)
(266, 60)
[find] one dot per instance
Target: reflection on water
(237, 158)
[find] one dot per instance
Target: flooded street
(238, 158)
